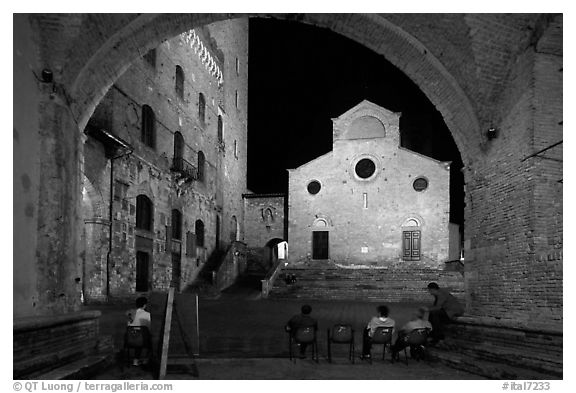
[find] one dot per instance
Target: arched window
(179, 87)
(201, 108)
(144, 213)
(234, 229)
(199, 230)
(220, 129)
(176, 224)
(178, 146)
(201, 161)
(148, 128)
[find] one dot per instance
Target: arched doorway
(273, 250)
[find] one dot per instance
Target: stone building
(370, 201)
(496, 79)
(264, 219)
(165, 164)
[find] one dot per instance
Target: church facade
(369, 201)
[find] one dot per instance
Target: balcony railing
(183, 167)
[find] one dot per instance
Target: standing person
(418, 321)
(382, 320)
(141, 317)
(444, 309)
(299, 321)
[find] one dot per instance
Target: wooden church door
(411, 245)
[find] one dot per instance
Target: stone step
(84, 368)
(494, 368)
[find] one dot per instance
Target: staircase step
(81, 369)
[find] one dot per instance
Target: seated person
(302, 320)
(419, 321)
(141, 317)
(382, 320)
(444, 309)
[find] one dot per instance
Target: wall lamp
(492, 133)
(47, 76)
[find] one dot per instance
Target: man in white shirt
(141, 317)
(382, 320)
(419, 321)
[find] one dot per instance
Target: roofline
(270, 195)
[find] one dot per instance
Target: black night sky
(300, 77)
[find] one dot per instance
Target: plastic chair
(341, 334)
(303, 335)
(382, 335)
(136, 337)
(416, 340)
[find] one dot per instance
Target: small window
(201, 161)
(176, 224)
(237, 66)
(314, 187)
(179, 87)
(365, 168)
(220, 129)
(420, 184)
(201, 108)
(144, 212)
(237, 99)
(199, 229)
(150, 57)
(178, 145)
(148, 128)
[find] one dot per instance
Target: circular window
(365, 168)
(420, 184)
(314, 187)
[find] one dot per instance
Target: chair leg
(406, 355)
(329, 352)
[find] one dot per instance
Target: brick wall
(45, 343)
(514, 204)
(264, 218)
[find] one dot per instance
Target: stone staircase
(397, 284)
(501, 352)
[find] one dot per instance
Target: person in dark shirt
(299, 321)
(444, 309)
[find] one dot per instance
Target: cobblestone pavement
(283, 368)
(245, 339)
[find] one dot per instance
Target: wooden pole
(166, 337)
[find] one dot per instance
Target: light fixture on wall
(492, 133)
(47, 76)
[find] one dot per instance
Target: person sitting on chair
(382, 320)
(419, 321)
(300, 321)
(444, 309)
(141, 317)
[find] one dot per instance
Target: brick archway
(108, 61)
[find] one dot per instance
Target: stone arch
(376, 32)
(412, 220)
(322, 221)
